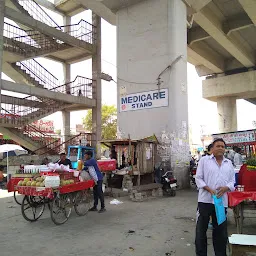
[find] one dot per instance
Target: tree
(109, 122)
(58, 131)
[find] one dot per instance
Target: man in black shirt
(64, 160)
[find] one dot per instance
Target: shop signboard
(237, 137)
(46, 126)
(144, 100)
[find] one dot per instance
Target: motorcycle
(193, 175)
(167, 179)
(169, 183)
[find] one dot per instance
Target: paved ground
(160, 226)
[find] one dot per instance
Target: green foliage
(58, 131)
(251, 162)
(109, 122)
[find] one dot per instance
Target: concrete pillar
(96, 76)
(66, 126)
(67, 76)
(227, 114)
(146, 45)
(66, 22)
(2, 8)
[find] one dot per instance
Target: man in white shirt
(238, 160)
(215, 175)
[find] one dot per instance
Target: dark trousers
(98, 194)
(219, 233)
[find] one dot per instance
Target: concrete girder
(100, 9)
(203, 54)
(196, 5)
(197, 34)
(45, 29)
(213, 26)
(50, 6)
(250, 8)
(241, 86)
(237, 22)
(38, 92)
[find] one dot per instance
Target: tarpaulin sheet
(237, 197)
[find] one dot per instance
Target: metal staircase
(22, 45)
(37, 12)
(29, 43)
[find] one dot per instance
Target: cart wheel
(83, 201)
(61, 209)
(18, 199)
(32, 207)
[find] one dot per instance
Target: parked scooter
(167, 179)
(193, 176)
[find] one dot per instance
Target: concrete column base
(182, 175)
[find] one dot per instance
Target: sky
(202, 113)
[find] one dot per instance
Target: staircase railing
(38, 13)
(81, 86)
(82, 30)
(28, 41)
(17, 109)
(35, 70)
(74, 140)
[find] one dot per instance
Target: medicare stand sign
(144, 100)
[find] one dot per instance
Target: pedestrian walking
(215, 175)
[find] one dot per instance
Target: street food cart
(134, 157)
(60, 189)
(243, 200)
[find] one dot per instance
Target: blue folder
(219, 209)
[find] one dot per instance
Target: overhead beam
(50, 6)
(197, 34)
(213, 26)
(236, 23)
(195, 6)
(38, 92)
(100, 9)
(45, 29)
(241, 86)
(203, 54)
(250, 8)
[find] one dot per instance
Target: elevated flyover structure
(36, 34)
(155, 39)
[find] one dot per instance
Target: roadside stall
(58, 187)
(135, 159)
(243, 200)
(246, 140)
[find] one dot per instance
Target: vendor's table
(239, 202)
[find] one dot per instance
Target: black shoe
(93, 209)
(102, 210)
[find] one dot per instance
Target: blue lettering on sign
(162, 95)
(143, 100)
(124, 100)
(155, 96)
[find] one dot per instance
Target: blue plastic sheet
(219, 209)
